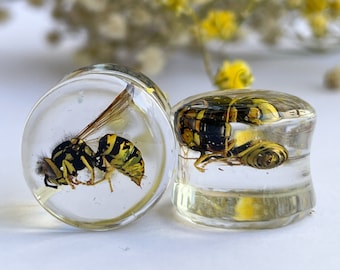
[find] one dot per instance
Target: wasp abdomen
(122, 155)
(263, 155)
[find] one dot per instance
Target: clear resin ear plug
(98, 149)
(244, 159)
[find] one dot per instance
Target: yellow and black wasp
(113, 153)
(204, 125)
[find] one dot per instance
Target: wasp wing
(118, 105)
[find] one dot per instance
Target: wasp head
(51, 172)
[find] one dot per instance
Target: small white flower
(182, 39)
(140, 17)
(114, 27)
(151, 60)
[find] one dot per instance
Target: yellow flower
(219, 24)
(318, 23)
(234, 75)
(315, 6)
(334, 7)
(178, 6)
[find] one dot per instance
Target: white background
(32, 239)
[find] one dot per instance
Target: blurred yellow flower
(318, 23)
(334, 7)
(178, 6)
(234, 75)
(219, 24)
(315, 6)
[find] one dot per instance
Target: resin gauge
(244, 158)
(98, 149)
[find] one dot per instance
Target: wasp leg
(109, 169)
(90, 168)
(205, 159)
(68, 167)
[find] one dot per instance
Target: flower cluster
(219, 24)
(319, 14)
(142, 33)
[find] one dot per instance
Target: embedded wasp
(204, 125)
(114, 152)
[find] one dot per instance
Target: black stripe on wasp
(113, 153)
(205, 125)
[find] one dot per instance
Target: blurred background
(288, 46)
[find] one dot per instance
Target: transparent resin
(244, 159)
(135, 171)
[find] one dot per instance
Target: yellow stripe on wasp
(113, 153)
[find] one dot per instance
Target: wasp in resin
(113, 153)
(204, 125)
